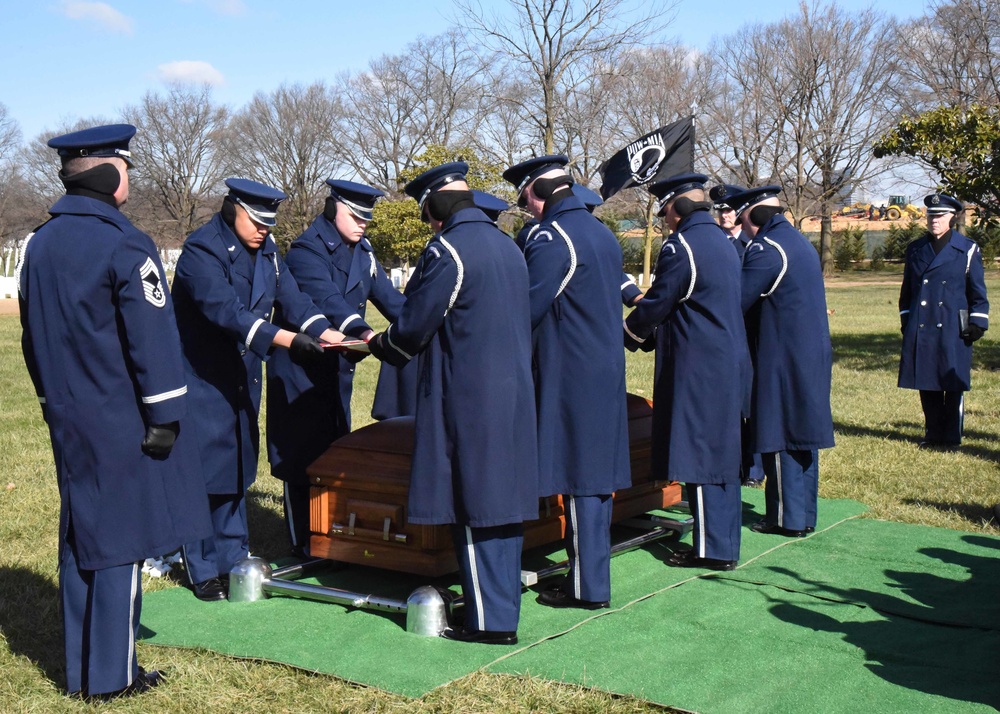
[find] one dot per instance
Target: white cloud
(190, 72)
(223, 7)
(98, 13)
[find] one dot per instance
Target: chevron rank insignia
(151, 286)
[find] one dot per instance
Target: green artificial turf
(373, 648)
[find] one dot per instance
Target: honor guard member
(101, 346)
(727, 215)
(752, 468)
(784, 306)
(309, 404)
(228, 281)
(696, 304)
(574, 266)
(475, 467)
(943, 310)
(396, 391)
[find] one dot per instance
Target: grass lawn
(876, 461)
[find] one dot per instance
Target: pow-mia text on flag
(152, 287)
(668, 151)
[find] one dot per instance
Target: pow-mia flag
(668, 151)
(152, 288)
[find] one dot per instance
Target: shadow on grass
(266, 522)
(30, 620)
(939, 640)
(877, 351)
(880, 351)
(902, 432)
(970, 511)
(892, 433)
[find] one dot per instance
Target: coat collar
(570, 203)
(695, 219)
(84, 206)
(465, 215)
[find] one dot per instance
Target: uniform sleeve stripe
(41, 400)
(904, 312)
(253, 331)
(630, 333)
(164, 396)
(983, 315)
(572, 259)
(348, 321)
(388, 337)
(784, 267)
(626, 284)
(310, 321)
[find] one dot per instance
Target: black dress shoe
(753, 482)
(687, 559)
(768, 529)
(142, 683)
(557, 597)
(210, 590)
(483, 637)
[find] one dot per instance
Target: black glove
(376, 348)
(354, 356)
(902, 324)
(305, 349)
(159, 439)
(973, 333)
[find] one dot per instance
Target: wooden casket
(360, 487)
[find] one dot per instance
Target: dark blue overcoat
(935, 287)
(101, 346)
(224, 298)
(466, 314)
(784, 302)
(575, 266)
(309, 406)
(696, 303)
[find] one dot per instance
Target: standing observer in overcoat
(229, 279)
(475, 464)
(101, 346)
(309, 405)
(943, 309)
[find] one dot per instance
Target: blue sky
(64, 60)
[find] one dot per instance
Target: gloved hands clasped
(159, 439)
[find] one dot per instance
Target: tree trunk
(826, 239)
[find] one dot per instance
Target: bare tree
(546, 38)
(177, 162)
(950, 57)
(428, 95)
(742, 123)
(286, 139)
(851, 68)
(10, 141)
(804, 100)
(654, 86)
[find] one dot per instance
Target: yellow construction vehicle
(900, 206)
